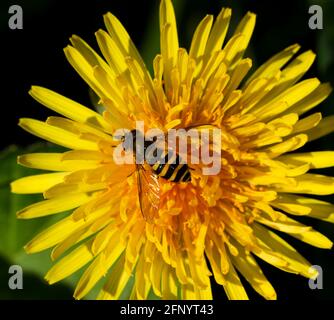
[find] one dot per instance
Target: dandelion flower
(207, 229)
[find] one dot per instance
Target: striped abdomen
(175, 172)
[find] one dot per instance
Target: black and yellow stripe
(175, 172)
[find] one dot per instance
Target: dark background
(34, 56)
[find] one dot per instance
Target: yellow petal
(54, 162)
(53, 235)
(313, 99)
(122, 39)
(80, 235)
(316, 160)
(291, 96)
(233, 287)
(200, 38)
(142, 284)
(56, 135)
(309, 184)
(244, 28)
(232, 49)
(112, 53)
(68, 107)
(55, 205)
(206, 293)
(181, 271)
(156, 273)
(99, 267)
(167, 16)
(263, 139)
(88, 53)
(292, 73)
(297, 68)
(85, 155)
(135, 241)
(70, 263)
(61, 230)
(248, 267)
(283, 125)
(169, 283)
(250, 130)
(84, 131)
(188, 292)
(284, 224)
(37, 183)
(298, 205)
(314, 238)
(298, 230)
(255, 91)
(288, 145)
(325, 127)
(109, 93)
(169, 42)
(219, 30)
(296, 263)
(238, 75)
(142, 81)
(116, 283)
(86, 71)
(215, 263)
(307, 123)
(72, 188)
(173, 124)
(270, 67)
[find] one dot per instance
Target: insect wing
(148, 192)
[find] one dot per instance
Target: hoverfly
(148, 173)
